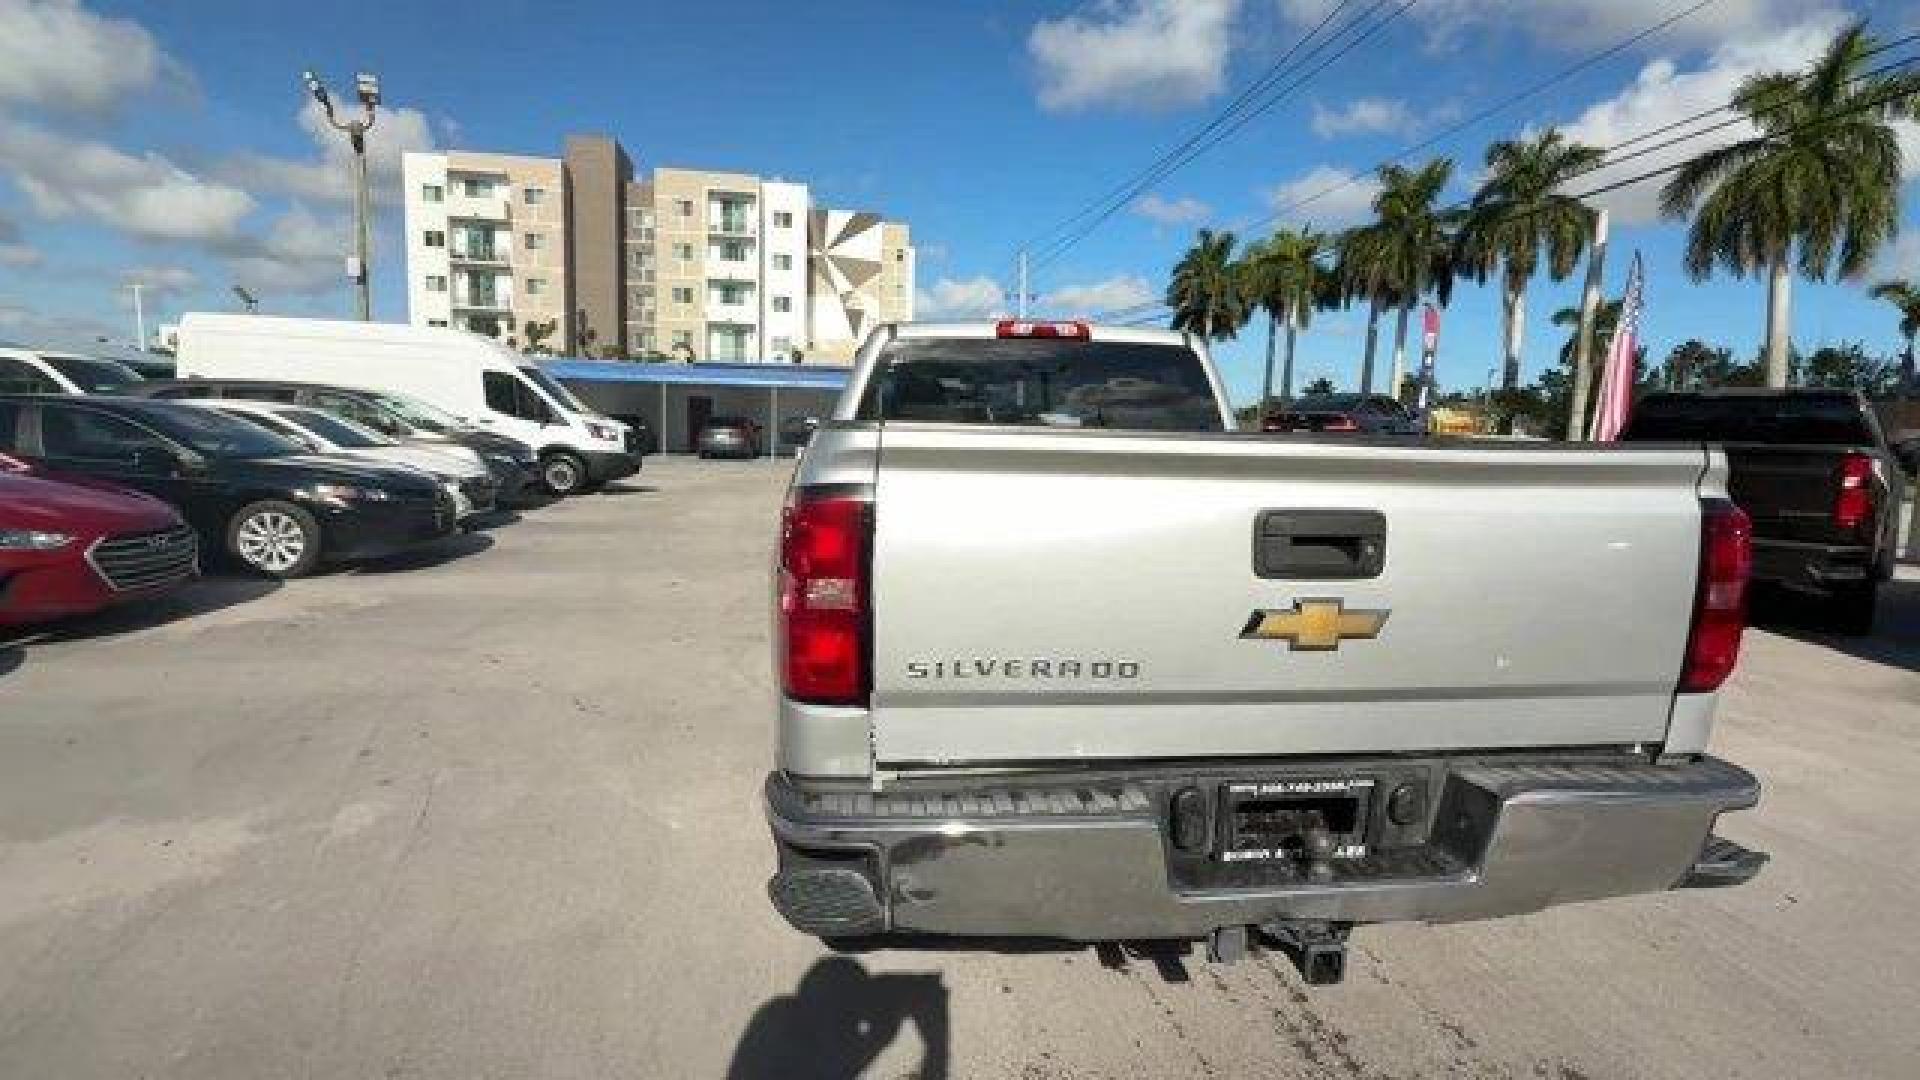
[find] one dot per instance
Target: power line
(1221, 131)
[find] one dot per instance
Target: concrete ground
(493, 812)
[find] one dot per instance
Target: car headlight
(346, 493)
(504, 461)
(602, 431)
(32, 540)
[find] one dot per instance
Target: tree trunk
(1399, 350)
(1906, 373)
(1266, 388)
(1779, 298)
(1286, 371)
(1373, 340)
(1516, 330)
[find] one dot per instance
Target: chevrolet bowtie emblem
(1314, 625)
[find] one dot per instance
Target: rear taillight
(823, 598)
(1853, 505)
(1340, 423)
(1720, 598)
(1021, 328)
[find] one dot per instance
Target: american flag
(1616, 379)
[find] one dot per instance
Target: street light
(248, 299)
(367, 88)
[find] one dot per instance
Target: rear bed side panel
(1690, 725)
(1536, 596)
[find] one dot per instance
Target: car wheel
(275, 538)
(1851, 610)
(563, 473)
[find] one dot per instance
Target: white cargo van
(470, 376)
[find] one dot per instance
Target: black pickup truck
(1812, 468)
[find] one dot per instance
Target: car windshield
(1149, 386)
(216, 434)
(559, 393)
(1802, 419)
(419, 414)
(339, 432)
(92, 374)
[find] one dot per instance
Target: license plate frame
(1256, 817)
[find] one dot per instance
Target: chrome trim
(192, 566)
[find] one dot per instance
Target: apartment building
(683, 263)
(487, 245)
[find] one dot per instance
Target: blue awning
(781, 376)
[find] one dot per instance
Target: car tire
(274, 538)
(1851, 610)
(563, 474)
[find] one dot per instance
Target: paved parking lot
(491, 812)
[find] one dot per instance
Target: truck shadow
(840, 1019)
(1895, 640)
(458, 546)
(201, 597)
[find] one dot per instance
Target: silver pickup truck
(1063, 656)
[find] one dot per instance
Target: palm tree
(1906, 299)
(1605, 318)
(1207, 293)
(1817, 186)
(1520, 213)
(1285, 276)
(1405, 253)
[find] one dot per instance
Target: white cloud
(1580, 24)
(301, 253)
(1141, 54)
(1179, 211)
(56, 55)
(30, 323)
(14, 252)
(146, 196)
(1362, 116)
(158, 281)
(1116, 293)
(1663, 92)
(964, 298)
(329, 177)
(1325, 197)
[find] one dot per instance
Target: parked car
(462, 373)
(246, 491)
(729, 437)
(73, 548)
(1822, 483)
(41, 371)
(1362, 414)
(797, 431)
(1160, 681)
(463, 476)
(515, 468)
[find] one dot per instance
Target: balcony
(477, 208)
(733, 314)
(727, 270)
(733, 225)
(472, 300)
(478, 253)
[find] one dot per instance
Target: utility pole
(367, 88)
(1020, 302)
(139, 318)
(1583, 345)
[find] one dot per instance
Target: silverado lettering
(987, 667)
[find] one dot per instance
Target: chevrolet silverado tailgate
(1051, 595)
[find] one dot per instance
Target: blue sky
(170, 143)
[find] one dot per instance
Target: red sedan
(70, 548)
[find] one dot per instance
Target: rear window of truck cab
(1788, 419)
(1042, 382)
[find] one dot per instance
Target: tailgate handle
(1317, 544)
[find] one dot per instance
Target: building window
(534, 196)
(900, 255)
(731, 294)
(783, 262)
(782, 344)
(682, 294)
(783, 303)
(535, 241)
(432, 193)
(434, 238)
(683, 207)
(477, 188)
(683, 252)
(436, 283)
(683, 339)
(733, 251)
(437, 322)
(536, 286)
(782, 219)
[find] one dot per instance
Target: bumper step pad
(1722, 863)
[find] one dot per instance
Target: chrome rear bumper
(1089, 861)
